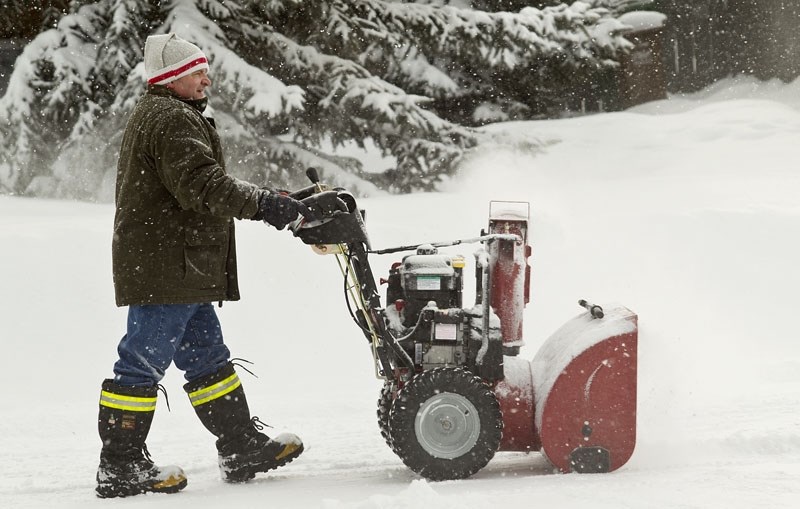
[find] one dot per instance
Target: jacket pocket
(204, 256)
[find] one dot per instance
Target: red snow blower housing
(455, 390)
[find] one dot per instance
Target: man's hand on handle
(279, 209)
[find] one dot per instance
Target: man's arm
(186, 164)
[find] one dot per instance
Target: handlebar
(315, 186)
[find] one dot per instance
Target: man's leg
(217, 395)
(125, 466)
(202, 350)
(154, 335)
(128, 402)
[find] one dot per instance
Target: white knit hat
(168, 57)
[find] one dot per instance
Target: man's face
(191, 86)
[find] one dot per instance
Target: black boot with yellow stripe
(125, 465)
(221, 405)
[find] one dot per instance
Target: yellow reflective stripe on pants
(215, 391)
(131, 403)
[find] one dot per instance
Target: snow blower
(455, 389)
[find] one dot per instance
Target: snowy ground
(686, 211)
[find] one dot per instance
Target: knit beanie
(167, 58)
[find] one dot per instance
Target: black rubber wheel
(445, 424)
(385, 401)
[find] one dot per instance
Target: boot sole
(247, 473)
(109, 491)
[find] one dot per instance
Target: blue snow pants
(188, 334)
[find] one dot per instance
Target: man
(174, 255)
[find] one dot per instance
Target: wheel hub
(447, 425)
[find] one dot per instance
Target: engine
(425, 311)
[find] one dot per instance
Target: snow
(509, 210)
(419, 71)
(685, 210)
(517, 379)
(428, 264)
(643, 20)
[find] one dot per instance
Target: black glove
(280, 209)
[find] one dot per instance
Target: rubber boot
(125, 465)
(220, 403)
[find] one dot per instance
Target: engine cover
(423, 278)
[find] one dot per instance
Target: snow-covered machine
(455, 389)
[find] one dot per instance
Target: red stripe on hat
(175, 72)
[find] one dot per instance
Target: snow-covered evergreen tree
(293, 81)
(516, 5)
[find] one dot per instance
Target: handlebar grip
(303, 193)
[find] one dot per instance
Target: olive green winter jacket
(173, 230)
